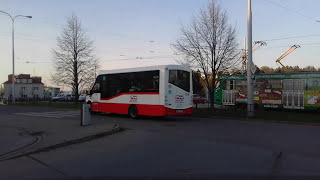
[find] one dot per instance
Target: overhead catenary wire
(292, 37)
(25, 62)
(8, 34)
(141, 58)
(178, 54)
(291, 10)
(303, 44)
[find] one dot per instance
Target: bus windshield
(180, 79)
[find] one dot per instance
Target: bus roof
(145, 68)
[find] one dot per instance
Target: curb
(68, 143)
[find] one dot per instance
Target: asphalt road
(177, 147)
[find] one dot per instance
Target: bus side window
(134, 85)
(149, 81)
(114, 85)
(155, 82)
(104, 86)
(96, 86)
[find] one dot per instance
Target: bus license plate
(179, 111)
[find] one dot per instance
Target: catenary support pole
(250, 103)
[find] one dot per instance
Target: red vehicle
(198, 99)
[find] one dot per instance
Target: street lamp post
(12, 77)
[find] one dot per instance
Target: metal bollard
(85, 115)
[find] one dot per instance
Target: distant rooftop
(24, 79)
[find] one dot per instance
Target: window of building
(230, 85)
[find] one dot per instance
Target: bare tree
(74, 62)
(209, 43)
(309, 69)
(266, 69)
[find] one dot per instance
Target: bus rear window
(180, 79)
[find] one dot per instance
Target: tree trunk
(213, 89)
(212, 100)
(76, 84)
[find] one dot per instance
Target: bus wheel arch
(133, 111)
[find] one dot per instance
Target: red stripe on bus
(131, 93)
(143, 109)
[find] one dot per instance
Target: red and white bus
(149, 91)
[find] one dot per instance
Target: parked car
(197, 99)
(70, 97)
(59, 97)
(62, 97)
(82, 98)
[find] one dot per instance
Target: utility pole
(13, 76)
(250, 103)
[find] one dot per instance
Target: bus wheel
(133, 112)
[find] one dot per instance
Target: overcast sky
(125, 29)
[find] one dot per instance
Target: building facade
(1, 90)
(26, 87)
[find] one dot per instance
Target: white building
(26, 87)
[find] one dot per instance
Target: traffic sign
(253, 68)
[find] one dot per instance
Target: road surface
(175, 147)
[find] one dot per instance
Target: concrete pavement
(12, 138)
